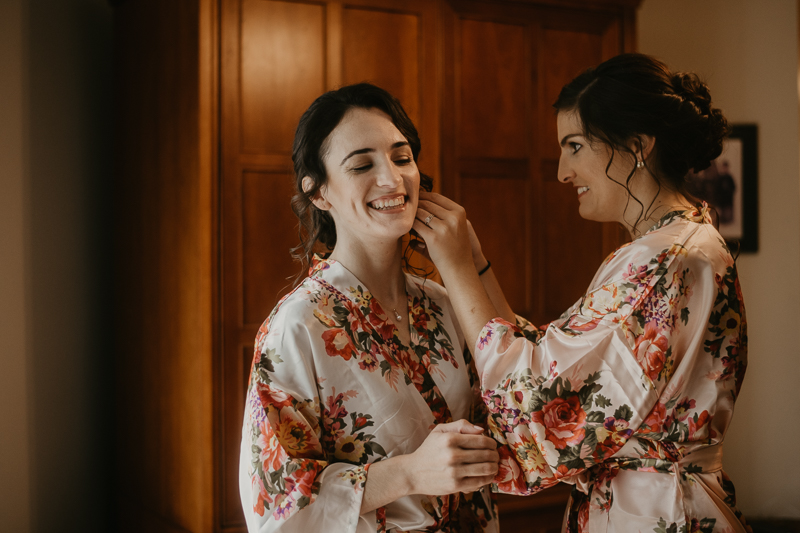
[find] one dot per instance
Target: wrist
(404, 473)
(480, 262)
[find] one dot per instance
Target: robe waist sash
(595, 484)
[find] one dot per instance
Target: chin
(586, 213)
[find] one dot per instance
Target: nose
(565, 172)
(389, 175)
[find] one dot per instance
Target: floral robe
(333, 389)
(629, 394)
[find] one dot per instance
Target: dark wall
(70, 79)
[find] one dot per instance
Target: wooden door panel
(572, 250)
(282, 70)
(383, 47)
(493, 90)
(269, 231)
(500, 202)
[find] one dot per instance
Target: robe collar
(698, 214)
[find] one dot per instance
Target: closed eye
(362, 168)
(403, 161)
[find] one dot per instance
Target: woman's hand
(456, 252)
(455, 457)
(447, 231)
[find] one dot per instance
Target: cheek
(412, 185)
(411, 177)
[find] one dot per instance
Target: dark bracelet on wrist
(484, 269)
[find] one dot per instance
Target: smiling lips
(582, 190)
(387, 203)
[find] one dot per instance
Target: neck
(665, 202)
(377, 265)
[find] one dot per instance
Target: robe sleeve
(286, 483)
(566, 397)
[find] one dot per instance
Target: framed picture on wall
(730, 186)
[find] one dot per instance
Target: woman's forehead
(569, 122)
(359, 125)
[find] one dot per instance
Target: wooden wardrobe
(208, 96)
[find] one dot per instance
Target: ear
(318, 200)
(642, 146)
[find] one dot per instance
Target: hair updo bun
(704, 137)
(634, 94)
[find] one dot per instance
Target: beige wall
(747, 51)
(14, 458)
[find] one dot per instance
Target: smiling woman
(372, 193)
(627, 395)
(362, 403)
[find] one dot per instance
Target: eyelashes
(403, 161)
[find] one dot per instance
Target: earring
(639, 165)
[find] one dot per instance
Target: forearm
(387, 481)
(493, 290)
(470, 298)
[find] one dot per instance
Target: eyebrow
(568, 137)
(396, 145)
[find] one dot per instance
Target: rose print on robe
(563, 420)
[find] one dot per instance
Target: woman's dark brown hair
(309, 149)
(631, 95)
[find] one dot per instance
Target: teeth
(582, 190)
(388, 204)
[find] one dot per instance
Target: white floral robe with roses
(629, 394)
(333, 389)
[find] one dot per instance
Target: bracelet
(484, 269)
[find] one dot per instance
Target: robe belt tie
(597, 484)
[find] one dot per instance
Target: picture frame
(730, 187)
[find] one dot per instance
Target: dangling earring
(639, 165)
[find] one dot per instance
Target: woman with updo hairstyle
(362, 405)
(629, 394)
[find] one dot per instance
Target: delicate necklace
(397, 315)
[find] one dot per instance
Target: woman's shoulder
(298, 309)
(708, 247)
(693, 245)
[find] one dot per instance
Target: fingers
(462, 434)
(429, 219)
(459, 426)
(474, 442)
(438, 199)
(424, 231)
(475, 483)
(478, 470)
(436, 210)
